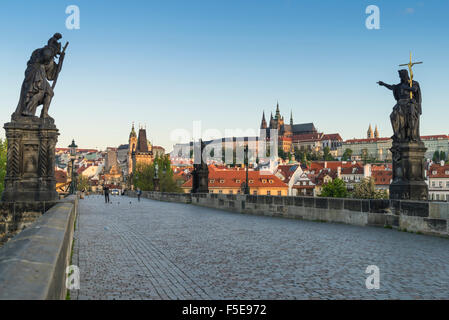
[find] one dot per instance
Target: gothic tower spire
(263, 125)
(291, 117)
(370, 134)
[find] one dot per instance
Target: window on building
(440, 184)
(212, 181)
(221, 181)
(279, 193)
(251, 181)
(255, 193)
(237, 181)
(433, 183)
(264, 181)
(220, 191)
(268, 193)
(271, 181)
(230, 192)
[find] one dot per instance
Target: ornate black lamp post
(72, 148)
(246, 188)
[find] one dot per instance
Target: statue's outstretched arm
(386, 85)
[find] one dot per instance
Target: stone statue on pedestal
(200, 174)
(407, 149)
(31, 139)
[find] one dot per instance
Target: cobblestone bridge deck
(158, 250)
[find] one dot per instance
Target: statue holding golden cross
(410, 65)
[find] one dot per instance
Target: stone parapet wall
(16, 216)
(33, 263)
(163, 196)
(415, 216)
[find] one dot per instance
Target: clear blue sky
(168, 63)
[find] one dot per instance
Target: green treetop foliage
(82, 183)
(366, 189)
(335, 189)
(327, 154)
(347, 155)
(3, 151)
(144, 176)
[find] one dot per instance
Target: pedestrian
(139, 193)
(106, 194)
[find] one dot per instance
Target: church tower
(131, 148)
(291, 117)
(278, 113)
(263, 125)
(370, 133)
(376, 133)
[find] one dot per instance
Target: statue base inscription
(408, 171)
(30, 168)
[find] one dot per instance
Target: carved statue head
(54, 44)
(403, 74)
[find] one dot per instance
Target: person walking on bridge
(106, 194)
(139, 193)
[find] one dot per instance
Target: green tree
(366, 189)
(347, 155)
(144, 176)
(327, 154)
(3, 152)
(442, 155)
(82, 183)
(335, 189)
(436, 157)
(282, 154)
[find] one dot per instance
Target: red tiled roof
(332, 136)
(287, 171)
(235, 178)
(355, 169)
(382, 177)
(438, 171)
(307, 137)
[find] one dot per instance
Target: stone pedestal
(30, 167)
(408, 171)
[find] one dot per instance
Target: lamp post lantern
(72, 148)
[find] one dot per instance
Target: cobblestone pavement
(159, 250)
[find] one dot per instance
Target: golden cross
(410, 65)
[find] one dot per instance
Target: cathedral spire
(263, 125)
(376, 133)
(291, 117)
(369, 133)
(278, 113)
